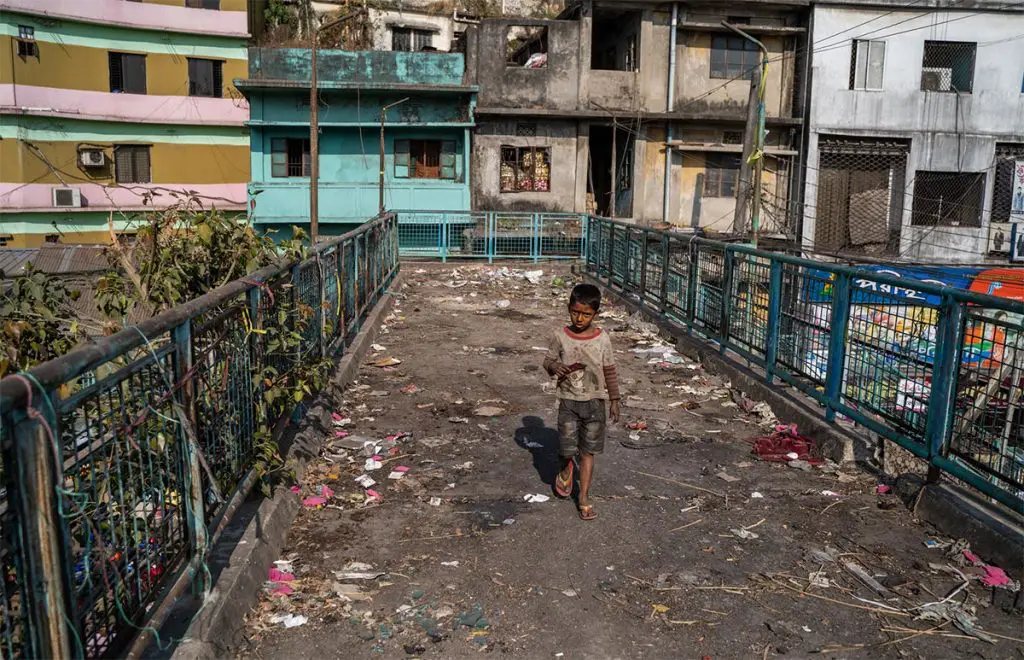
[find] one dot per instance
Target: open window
(948, 66)
(411, 39)
(205, 77)
(526, 46)
(127, 73)
(614, 44)
(289, 157)
(525, 169)
(27, 42)
(425, 159)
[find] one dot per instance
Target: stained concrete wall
(563, 138)
(949, 132)
(555, 87)
(697, 92)
(443, 28)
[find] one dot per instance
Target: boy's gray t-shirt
(594, 353)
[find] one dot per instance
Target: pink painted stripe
(20, 197)
(138, 15)
(138, 108)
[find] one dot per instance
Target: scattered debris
(786, 445)
(435, 501)
(365, 480)
(536, 498)
(726, 477)
(290, 620)
(488, 411)
(387, 362)
(743, 533)
(459, 420)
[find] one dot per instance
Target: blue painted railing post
(185, 399)
(663, 284)
(535, 233)
(492, 240)
(644, 235)
(44, 572)
(946, 368)
(611, 254)
(839, 319)
(771, 339)
(726, 298)
(692, 273)
(443, 238)
(585, 234)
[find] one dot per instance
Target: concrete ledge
(248, 551)
(832, 442)
(997, 536)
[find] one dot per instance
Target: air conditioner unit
(66, 198)
(92, 157)
(936, 79)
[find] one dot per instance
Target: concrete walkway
(700, 549)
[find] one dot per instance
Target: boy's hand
(614, 411)
(562, 370)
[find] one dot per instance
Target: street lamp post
(383, 116)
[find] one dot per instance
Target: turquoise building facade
(426, 134)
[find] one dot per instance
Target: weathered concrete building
(635, 109)
(916, 120)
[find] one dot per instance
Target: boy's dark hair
(588, 294)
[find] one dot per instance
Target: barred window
(410, 39)
(289, 157)
(525, 169)
(127, 73)
(948, 66)
(721, 174)
(424, 159)
(131, 163)
(205, 77)
(948, 198)
(1009, 166)
(733, 57)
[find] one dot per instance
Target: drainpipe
(670, 107)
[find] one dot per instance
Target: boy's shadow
(542, 442)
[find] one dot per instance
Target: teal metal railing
(938, 370)
(491, 235)
(122, 460)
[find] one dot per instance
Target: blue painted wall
(355, 88)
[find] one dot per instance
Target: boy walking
(581, 357)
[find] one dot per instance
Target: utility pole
(314, 127)
(749, 185)
(383, 116)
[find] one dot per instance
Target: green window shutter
(278, 157)
(448, 159)
(401, 159)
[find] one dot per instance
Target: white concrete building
(916, 117)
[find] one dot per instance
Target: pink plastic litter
(296, 489)
(401, 468)
(341, 434)
(995, 577)
(336, 417)
(282, 590)
(372, 494)
(883, 489)
(326, 492)
(314, 502)
(973, 558)
(277, 575)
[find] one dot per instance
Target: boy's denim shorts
(581, 426)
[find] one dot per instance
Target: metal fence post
(645, 234)
(946, 368)
(838, 320)
(536, 223)
(726, 301)
(691, 284)
(771, 339)
(663, 285)
(492, 241)
(611, 253)
(47, 596)
(321, 297)
(443, 238)
(585, 237)
(196, 522)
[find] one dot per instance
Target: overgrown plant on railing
(36, 321)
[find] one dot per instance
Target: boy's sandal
(587, 512)
(564, 488)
